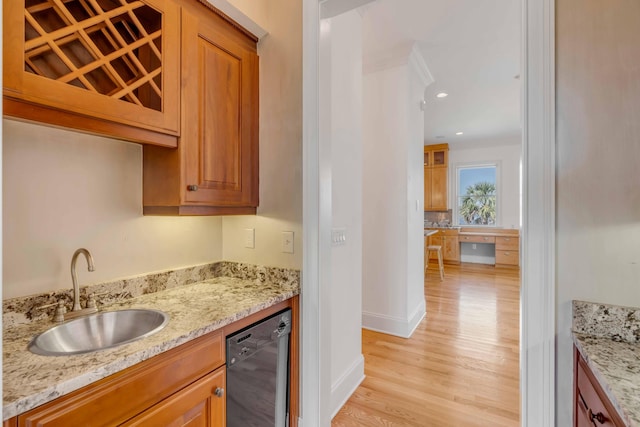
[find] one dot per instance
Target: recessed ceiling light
(459, 133)
(442, 95)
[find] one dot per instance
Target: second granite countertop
(608, 338)
(30, 380)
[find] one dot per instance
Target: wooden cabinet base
(591, 405)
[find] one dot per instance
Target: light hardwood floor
(460, 367)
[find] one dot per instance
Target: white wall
(598, 152)
(63, 190)
(342, 60)
(414, 201)
(508, 157)
(280, 139)
(392, 224)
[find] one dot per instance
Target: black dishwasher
(258, 373)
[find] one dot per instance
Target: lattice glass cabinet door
(116, 60)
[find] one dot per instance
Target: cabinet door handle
(192, 187)
(219, 391)
(485, 238)
(597, 417)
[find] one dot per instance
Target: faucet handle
(60, 311)
(91, 301)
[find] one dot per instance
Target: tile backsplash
(21, 310)
(438, 217)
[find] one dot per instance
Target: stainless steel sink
(98, 332)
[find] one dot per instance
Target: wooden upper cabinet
(215, 170)
(109, 67)
(436, 162)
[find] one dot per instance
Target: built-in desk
(503, 245)
(506, 243)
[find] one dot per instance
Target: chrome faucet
(77, 309)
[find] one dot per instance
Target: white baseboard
(394, 325)
(342, 390)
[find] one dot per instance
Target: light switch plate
(287, 242)
(338, 236)
(250, 238)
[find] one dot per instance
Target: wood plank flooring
(460, 367)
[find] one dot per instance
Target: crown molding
(235, 15)
(401, 55)
(331, 8)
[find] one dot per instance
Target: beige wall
(63, 190)
(280, 139)
(598, 154)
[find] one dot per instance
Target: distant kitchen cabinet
(214, 171)
(436, 161)
(108, 67)
(448, 240)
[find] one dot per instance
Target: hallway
(460, 367)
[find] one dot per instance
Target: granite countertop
(608, 338)
(29, 380)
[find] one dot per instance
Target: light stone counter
(196, 309)
(608, 338)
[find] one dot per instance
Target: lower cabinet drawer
(507, 243)
(477, 239)
(507, 257)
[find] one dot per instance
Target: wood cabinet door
(427, 188)
(451, 249)
(220, 114)
(110, 60)
(439, 189)
(202, 404)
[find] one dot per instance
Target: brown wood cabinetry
(591, 406)
(451, 249)
(448, 240)
(436, 161)
(106, 67)
(166, 73)
(507, 250)
(215, 169)
(201, 404)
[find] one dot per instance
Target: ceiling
(472, 49)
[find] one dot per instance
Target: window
(476, 195)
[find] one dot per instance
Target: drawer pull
(485, 238)
(507, 253)
(597, 417)
(192, 187)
